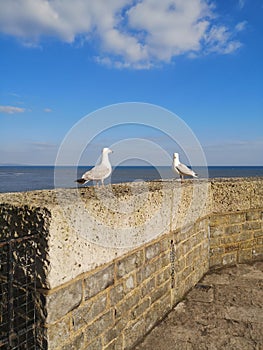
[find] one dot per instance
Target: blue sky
(62, 60)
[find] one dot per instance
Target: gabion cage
(18, 316)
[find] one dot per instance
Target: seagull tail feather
(80, 181)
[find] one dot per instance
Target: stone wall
(99, 297)
(235, 238)
(236, 223)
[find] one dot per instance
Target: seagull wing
(184, 170)
(175, 169)
(97, 173)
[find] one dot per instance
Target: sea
(29, 178)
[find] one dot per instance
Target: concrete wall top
(236, 194)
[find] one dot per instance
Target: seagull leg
(102, 182)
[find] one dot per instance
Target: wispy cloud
(14, 94)
(30, 153)
(47, 110)
(42, 145)
(221, 39)
(238, 152)
(132, 34)
(11, 109)
(241, 3)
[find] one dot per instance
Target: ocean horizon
(28, 178)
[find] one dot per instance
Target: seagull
(100, 172)
(181, 169)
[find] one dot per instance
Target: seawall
(110, 263)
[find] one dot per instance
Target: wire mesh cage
(18, 306)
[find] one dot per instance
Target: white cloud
(47, 110)
(170, 30)
(11, 109)
(131, 33)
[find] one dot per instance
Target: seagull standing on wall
(100, 172)
(181, 169)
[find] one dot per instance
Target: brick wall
(115, 305)
(236, 237)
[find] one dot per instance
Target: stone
(129, 263)
(147, 287)
(62, 301)
(253, 215)
(140, 308)
(116, 294)
(89, 311)
(127, 304)
(78, 342)
(129, 283)
(133, 333)
(153, 250)
(99, 281)
(234, 229)
(99, 326)
(59, 333)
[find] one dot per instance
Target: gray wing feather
(96, 173)
(183, 169)
(175, 169)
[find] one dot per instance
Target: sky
(62, 61)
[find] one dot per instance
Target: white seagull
(181, 169)
(100, 172)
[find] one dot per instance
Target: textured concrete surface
(223, 311)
